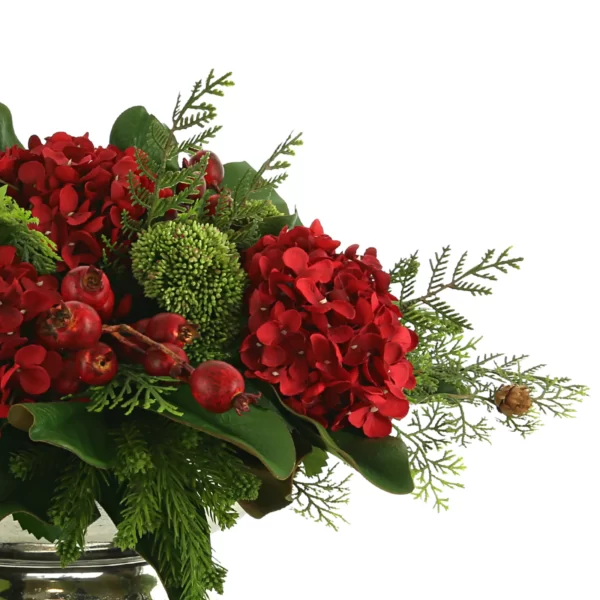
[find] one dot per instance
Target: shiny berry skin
(106, 310)
(219, 387)
(71, 325)
(86, 284)
(213, 201)
(215, 172)
(158, 363)
(171, 328)
(97, 365)
(68, 381)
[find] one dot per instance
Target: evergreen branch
(321, 498)
(405, 273)
(133, 388)
(286, 148)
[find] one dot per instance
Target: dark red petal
(296, 259)
(343, 308)
(341, 334)
(10, 318)
(392, 353)
(38, 300)
(359, 416)
(32, 172)
(66, 174)
(69, 200)
(273, 356)
(309, 290)
(7, 255)
(316, 227)
(377, 426)
(53, 364)
(291, 320)
(79, 218)
(269, 333)
(31, 355)
(34, 380)
(7, 375)
(395, 408)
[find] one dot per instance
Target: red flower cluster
(77, 191)
(324, 328)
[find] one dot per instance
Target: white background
(475, 124)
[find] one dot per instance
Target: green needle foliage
(454, 399)
(32, 246)
(194, 270)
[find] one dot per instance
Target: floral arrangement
(175, 344)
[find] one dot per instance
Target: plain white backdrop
(474, 124)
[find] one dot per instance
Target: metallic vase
(31, 571)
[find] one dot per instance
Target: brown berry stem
(117, 332)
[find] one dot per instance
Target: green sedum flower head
(194, 270)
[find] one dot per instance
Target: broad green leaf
(236, 171)
(36, 527)
(68, 425)
(262, 432)
(274, 494)
(274, 225)
(382, 461)
(133, 127)
(315, 462)
(8, 137)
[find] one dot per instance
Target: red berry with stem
(86, 284)
(71, 325)
(97, 365)
(158, 363)
(219, 387)
(171, 328)
(68, 381)
(215, 172)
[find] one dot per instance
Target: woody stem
(117, 332)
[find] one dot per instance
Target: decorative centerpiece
(176, 344)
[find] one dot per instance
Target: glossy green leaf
(274, 494)
(236, 171)
(315, 462)
(382, 461)
(133, 127)
(8, 137)
(274, 225)
(262, 432)
(68, 425)
(37, 527)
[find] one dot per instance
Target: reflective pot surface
(32, 571)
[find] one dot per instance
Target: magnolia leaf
(68, 425)
(273, 495)
(237, 171)
(315, 462)
(134, 127)
(262, 432)
(382, 461)
(274, 225)
(37, 527)
(8, 137)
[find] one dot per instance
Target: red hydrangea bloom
(76, 190)
(33, 370)
(324, 328)
(23, 296)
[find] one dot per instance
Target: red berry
(69, 326)
(97, 365)
(213, 201)
(141, 325)
(171, 328)
(198, 193)
(158, 363)
(215, 172)
(68, 381)
(106, 310)
(219, 387)
(86, 284)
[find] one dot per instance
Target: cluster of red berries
(325, 329)
(50, 340)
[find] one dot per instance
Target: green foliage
(8, 138)
(262, 432)
(178, 479)
(67, 425)
(73, 507)
(320, 497)
(314, 462)
(453, 401)
(133, 388)
(194, 270)
(32, 246)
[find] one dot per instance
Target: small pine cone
(513, 400)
